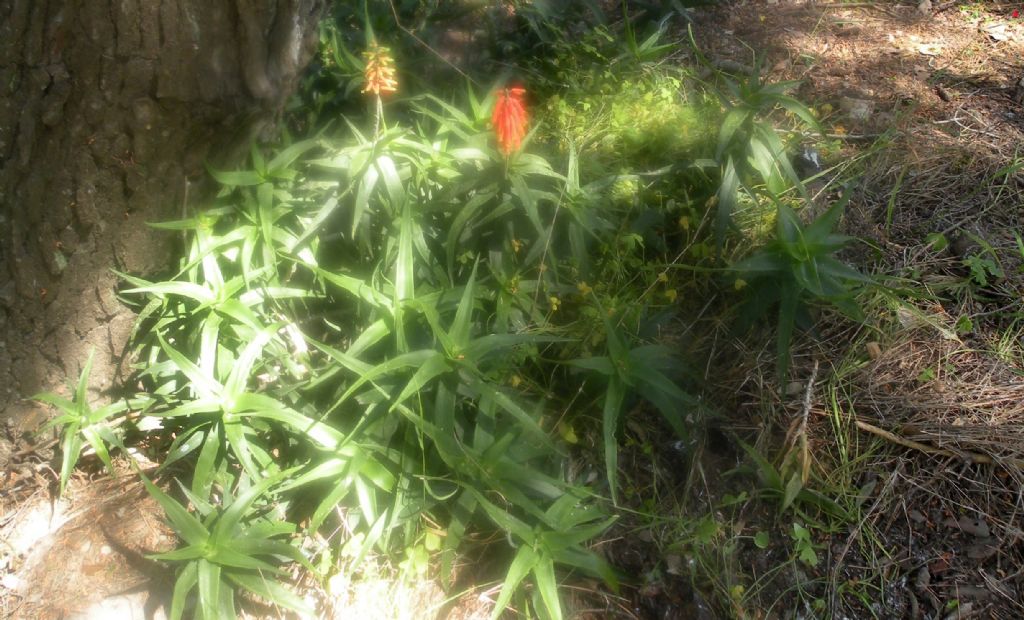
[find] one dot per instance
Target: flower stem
(378, 117)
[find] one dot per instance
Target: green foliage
(345, 329)
(228, 546)
(937, 241)
(984, 263)
(797, 267)
(982, 268)
(622, 108)
(750, 151)
(78, 421)
(788, 487)
(391, 329)
(746, 138)
(641, 369)
(641, 121)
(803, 546)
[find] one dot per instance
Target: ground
(912, 423)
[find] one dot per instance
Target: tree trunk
(108, 111)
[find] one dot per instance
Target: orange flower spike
(380, 71)
(510, 119)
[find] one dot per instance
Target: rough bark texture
(108, 110)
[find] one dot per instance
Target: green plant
(232, 544)
(749, 147)
(799, 266)
(615, 101)
(641, 369)
(387, 330)
(344, 327)
(982, 268)
(78, 421)
(650, 49)
(937, 241)
(803, 545)
(788, 487)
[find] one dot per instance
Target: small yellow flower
(380, 70)
(739, 284)
(555, 302)
(567, 433)
(517, 245)
(839, 130)
(662, 277)
(515, 381)
(584, 288)
(671, 295)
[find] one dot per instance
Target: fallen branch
(974, 457)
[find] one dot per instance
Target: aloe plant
(749, 151)
(232, 545)
(366, 333)
(81, 425)
(640, 370)
(268, 357)
(798, 267)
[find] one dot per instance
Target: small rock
(983, 550)
(925, 7)
(874, 351)
(673, 565)
(997, 32)
(124, 607)
(975, 527)
(922, 579)
(807, 162)
(846, 29)
(857, 109)
(961, 612)
(338, 584)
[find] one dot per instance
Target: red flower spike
(1015, 14)
(510, 119)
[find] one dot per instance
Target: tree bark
(108, 111)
